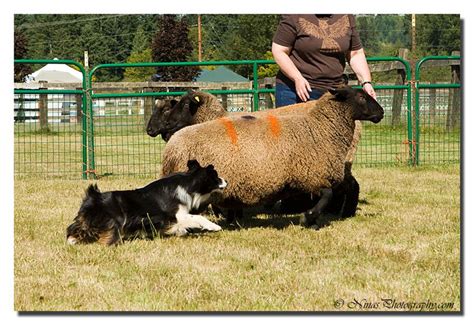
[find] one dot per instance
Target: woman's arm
(358, 63)
(282, 58)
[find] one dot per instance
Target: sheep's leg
(352, 197)
(311, 217)
(234, 215)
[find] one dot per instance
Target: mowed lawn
(403, 245)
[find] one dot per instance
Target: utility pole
(199, 39)
(413, 33)
(86, 59)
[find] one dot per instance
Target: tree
(245, 37)
(171, 44)
(141, 52)
(21, 52)
(268, 70)
(368, 34)
(438, 34)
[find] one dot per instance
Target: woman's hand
(302, 88)
(369, 89)
(281, 55)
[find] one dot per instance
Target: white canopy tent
(55, 73)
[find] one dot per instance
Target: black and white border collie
(163, 206)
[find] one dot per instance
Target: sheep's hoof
(304, 220)
(320, 223)
(307, 219)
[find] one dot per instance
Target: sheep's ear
(159, 102)
(196, 99)
(342, 93)
(193, 104)
(193, 164)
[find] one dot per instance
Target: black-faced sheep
(267, 157)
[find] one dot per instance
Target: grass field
(403, 245)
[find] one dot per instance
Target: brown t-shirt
(319, 46)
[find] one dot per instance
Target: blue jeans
(285, 95)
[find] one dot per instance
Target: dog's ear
(173, 102)
(193, 164)
(210, 167)
(93, 192)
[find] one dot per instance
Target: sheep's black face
(181, 115)
(364, 107)
(159, 117)
(368, 108)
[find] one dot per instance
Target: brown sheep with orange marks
(197, 107)
(307, 154)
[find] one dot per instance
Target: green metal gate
(389, 142)
(438, 114)
(44, 145)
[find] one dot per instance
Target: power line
(65, 22)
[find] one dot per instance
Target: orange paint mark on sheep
(230, 129)
(274, 125)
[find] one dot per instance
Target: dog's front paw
(212, 227)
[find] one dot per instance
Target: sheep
(266, 157)
(197, 107)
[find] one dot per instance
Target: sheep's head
(169, 121)
(364, 107)
(159, 117)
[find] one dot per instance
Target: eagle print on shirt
(328, 33)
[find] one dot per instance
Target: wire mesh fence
(387, 143)
(48, 135)
(121, 145)
(439, 126)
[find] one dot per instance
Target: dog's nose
(223, 183)
(71, 240)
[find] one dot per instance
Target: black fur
(110, 217)
(159, 116)
(168, 120)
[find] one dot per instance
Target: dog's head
(205, 179)
(93, 222)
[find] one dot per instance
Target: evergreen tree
(141, 52)
(438, 34)
(369, 34)
(21, 52)
(171, 44)
(242, 37)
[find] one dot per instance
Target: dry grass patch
(403, 244)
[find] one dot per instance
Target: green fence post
(84, 131)
(255, 87)
(90, 133)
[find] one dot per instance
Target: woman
(311, 51)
